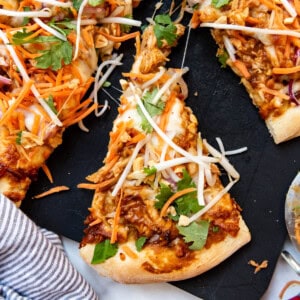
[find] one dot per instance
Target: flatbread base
(131, 270)
(286, 126)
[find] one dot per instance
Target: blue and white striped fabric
(33, 264)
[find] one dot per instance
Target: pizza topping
(164, 30)
(258, 267)
(42, 85)
(103, 251)
(139, 243)
(51, 191)
(261, 41)
(162, 188)
(195, 233)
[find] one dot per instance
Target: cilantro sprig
(59, 51)
(77, 3)
(219, 3)
(140, 242)
(103, 251)
(164, 30)
(152, 108)
(184, 205)
(195, 233)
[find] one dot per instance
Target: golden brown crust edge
(130, 270)
(286, 126)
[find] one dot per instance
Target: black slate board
(224, 110)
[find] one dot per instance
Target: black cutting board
(224, 110)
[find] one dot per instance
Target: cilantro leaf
(186, 181)
(52, 58)
(50, 103)
(19, 137)
(164, 194)
(25, 19)
(219, 3)
(96, 2)
(164, 29)
(188, 203)
(125, 27)
(223, 57)
(21, 37)
(76, 4)
(139, 243)
(195, 233)
(152, 109)
(150, 171)
(103, 251)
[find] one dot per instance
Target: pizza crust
(130, 270)
(286, 126)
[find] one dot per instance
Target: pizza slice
(49, 52)
(160, 211)
(259, 40)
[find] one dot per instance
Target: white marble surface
(109, 290)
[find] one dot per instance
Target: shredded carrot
(140, 136)
(98, 186)
(115, 137)
(34, 34)
(119, 39)
(47, 172)
(297, 6)
(275, 93)
(25, 90)
(258, 267)
(36, 124)
(129, 252)
(166, 113)
(286, 286)
(21, 120)
(195, 21)
(115, 225)
(51, 191)
(252, 20)
(174, 197)
(81, 116)
(242, 68)
(87, 36)
(285, 71)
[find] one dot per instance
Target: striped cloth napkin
(33, 264)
